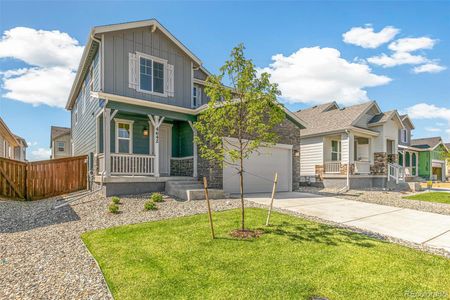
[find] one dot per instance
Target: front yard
(298, 259)
(437, 197)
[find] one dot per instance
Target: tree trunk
(241, 177)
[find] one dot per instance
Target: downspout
(101, 58)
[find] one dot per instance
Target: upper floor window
(196, 96)
(403, 136)
(60, 146)
(151, 75)
(335, 150)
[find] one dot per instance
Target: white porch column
(194, 174)
(156, 122)
(107, 140)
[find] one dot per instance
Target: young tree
(247, 110)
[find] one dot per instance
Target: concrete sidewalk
(407, 224)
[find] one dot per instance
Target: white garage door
(261, 167)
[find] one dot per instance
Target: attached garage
(260, 169)
(438, 170)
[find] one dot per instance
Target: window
(403, 136)
(60, 146)
(151, 75)
(196, 96)
(75, 114)
(124, 136)
(91, 79)
(83, 97)
(335, 150)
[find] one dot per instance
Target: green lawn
(295, 259)
(439, 197)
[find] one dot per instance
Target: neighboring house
(408, 156)
(60, 142)
(432, 157)
(136, 94)
(360, 139)
(448, 162)
(11, 146)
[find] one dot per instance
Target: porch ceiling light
(145, 131)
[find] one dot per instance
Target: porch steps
(191, 189)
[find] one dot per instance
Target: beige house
(353, 145)
(11, 146)
(60, 142)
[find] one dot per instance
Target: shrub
(157, 197)
(113, 208)
(115, 200)
(150, 205)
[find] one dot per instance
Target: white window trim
(338, 152)
(83, 97)
(403, 136)
(122, 121)
(64, 146)
(152, 58)
(198, 96)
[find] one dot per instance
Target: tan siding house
(11, 145)
(60, 142)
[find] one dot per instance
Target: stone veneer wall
(320, 170)
(379, 166)
(392, 158)
(182, 167)
(344, 169)
(288, 133)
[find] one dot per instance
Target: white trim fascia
(146, 103)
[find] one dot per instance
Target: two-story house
(408, 156)
(136, 95)
(433, 155)
(60, 142)
(348, 146)
(11, 146)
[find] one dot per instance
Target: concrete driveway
(407, 224)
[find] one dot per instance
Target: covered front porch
(348, 149)
(137, 143)
(409, 160)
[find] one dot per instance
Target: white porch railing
(396, 172)
(333, 167)
(128, 164)
(362, 167)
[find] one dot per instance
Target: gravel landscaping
(42, 255)
(383, 197)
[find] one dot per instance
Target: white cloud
(36, 86)
(428, 111)
(432, 129)
(40, 154)
(412, 44)
(317, 75)
(429, 68)
(367, 38)
(396, 59)
(53, 58)
(40, 47)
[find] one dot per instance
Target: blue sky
(322, 65)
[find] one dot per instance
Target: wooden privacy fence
(42, 179)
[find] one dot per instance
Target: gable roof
(383, 117)
(21, 140)
(6, 132)
(407, 119)
(93, 44)
(57, 131)
(329, 117)
(426, 144)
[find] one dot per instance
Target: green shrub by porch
(150, 205)
(157, 197)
